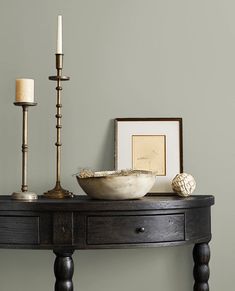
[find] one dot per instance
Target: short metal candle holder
(58, 191)
(24, 194)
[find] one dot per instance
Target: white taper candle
(59, 35)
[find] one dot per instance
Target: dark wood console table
(82, 223)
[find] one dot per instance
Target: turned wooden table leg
(63, 269)
(201, 271)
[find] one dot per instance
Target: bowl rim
(118, 173)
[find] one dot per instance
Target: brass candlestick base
(24, 194)
(58, 192)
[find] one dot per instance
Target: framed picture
(153, 144)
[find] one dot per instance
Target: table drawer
(134, 229)
(19, 230)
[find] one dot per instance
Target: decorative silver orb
(183, 184)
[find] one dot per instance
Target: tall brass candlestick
(58, 191)
(24, 194)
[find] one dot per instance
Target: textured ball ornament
(183, 184)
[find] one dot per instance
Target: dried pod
(86, 173)
(183, 184)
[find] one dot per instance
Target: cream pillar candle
(24, 90)
(59, 35)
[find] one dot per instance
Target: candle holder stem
(24, 194)
(58, 118)
(24, 187)
(58, 192)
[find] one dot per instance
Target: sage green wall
(126, 58)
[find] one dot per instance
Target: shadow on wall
(105, 160)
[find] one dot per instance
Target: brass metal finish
(58, 192)
(24, 195)
(59, 62)
(25, 103)
(24, 187)
(29, 196)
(55, 78)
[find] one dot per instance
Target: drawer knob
(140, 229)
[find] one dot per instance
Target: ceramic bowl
(111, 185)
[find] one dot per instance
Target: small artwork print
(149, 153)
(154, 144)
